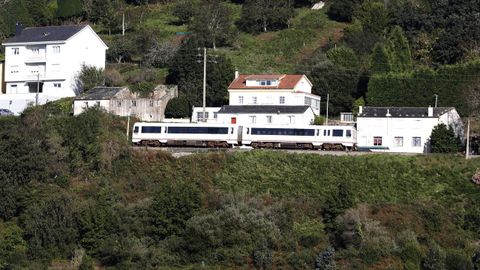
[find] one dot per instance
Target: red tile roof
(286, 81)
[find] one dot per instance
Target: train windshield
(135, 130)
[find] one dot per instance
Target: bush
(435, 259)
(443, 140)
(144, 89)
(178, 108)
(341, 10)
(325, 260)
(88, 78)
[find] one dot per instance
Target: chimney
(388, 113)
(430, 111)
(236, 74)
(360, 110)
(18, 28)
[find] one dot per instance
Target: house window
(57, 85)
(15, 51)
(97, 103)
(36, 51)
(151, 103)
(240, 100)
(282, 100)
(308, 101)
(134, 103)
(291, 119)
(253, 119)
(55, 67)
(265, 83)
(14, 69)
(56, 49)
(377, 140)
(254, 100)
(317, 104)
(200, 116)
(119, 103)
(215, 115)
(85, 104)
(398, 141)
(14, 89)
(34, 87)
(269, 119)
(416, 141)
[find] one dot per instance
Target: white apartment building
(41, 63)
(273, 89)
(403, 129)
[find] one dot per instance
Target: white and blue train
(256, 136)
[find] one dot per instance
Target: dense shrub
(342, 10)
(178, 108)
(443, 140)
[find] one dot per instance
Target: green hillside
(75, 195)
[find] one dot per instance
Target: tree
(265, 15)
(177, 108)
(120, 49)
(184, 10)
(89, 77)
(325, 260)
(69, 8)
(161, 53)
(373, 15)
(443, 140)
(39, 11)
(13, 247)
(342, 10)
(212, 23)
(435, 259)
(186, 71)
(380, 62)
(399, 51)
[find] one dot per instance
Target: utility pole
(326, 118)
(123, 24)
(204, 82)
(128, 121)
(38, 89)
(436, 100)
(467, 148)
(320, 107)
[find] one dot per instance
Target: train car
(337, 137)
(298, 137)
(185, 134)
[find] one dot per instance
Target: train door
(239, 135)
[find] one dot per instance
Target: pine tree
(443, 140)
(399, 51)
(380, 62)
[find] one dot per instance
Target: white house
(121, 101)
(273, 89)
(210, 114)
(41, 63)
(266, 115)
(403, 129)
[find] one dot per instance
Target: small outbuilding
(403, 129)
(121, 101)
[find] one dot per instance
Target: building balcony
(35, 59)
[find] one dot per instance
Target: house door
(233, 120)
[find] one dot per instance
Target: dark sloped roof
(402, 112)
(47, 33)
(273, 109)
(100, 93)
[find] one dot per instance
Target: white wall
(210, 111)
(272, 97)
(388, 128)
(261, 119)
(79, 106)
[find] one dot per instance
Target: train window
(231, 130)
(198, 130)
(328, 132)
(337, 133)
(283, 131)
(248, 130)
(135, 130)
(324, 132)
(349, 133)
(151, 129)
